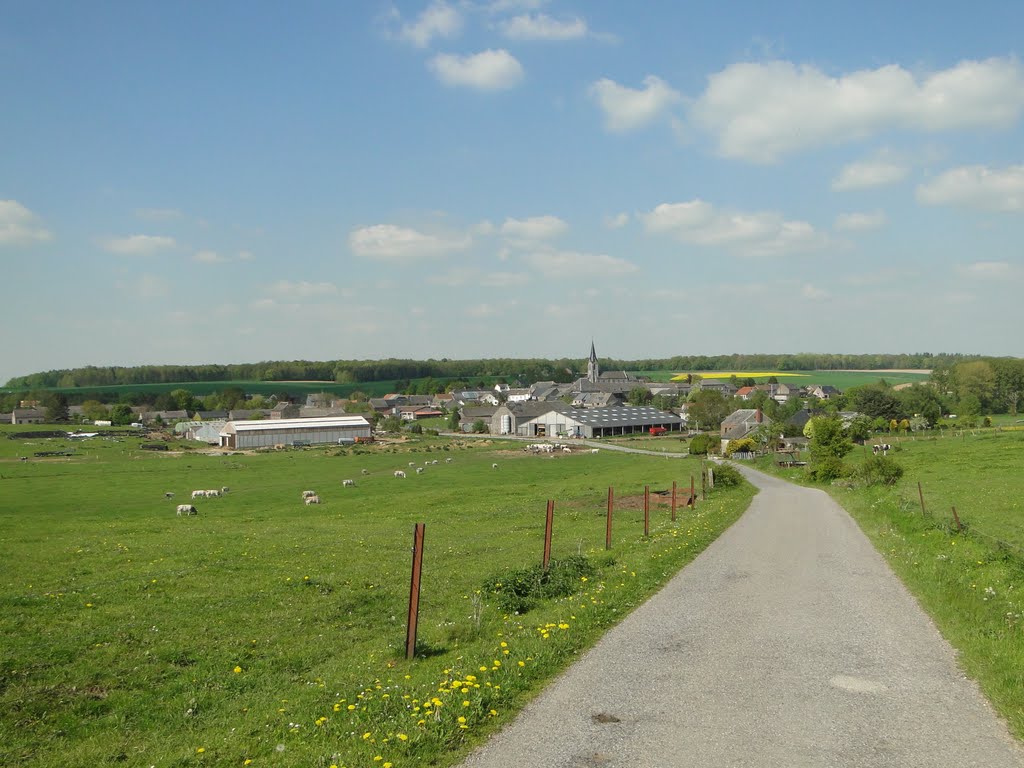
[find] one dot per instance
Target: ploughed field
(263, 629)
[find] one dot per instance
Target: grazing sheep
(186, 509)
(494, 466)
(314, 499)
(346, 483)
(448, 460)
(434, 461)
(308, 494)
(365, 471)
(419, 470)
(198, 494)
(412, 463)
(399, 473)
(213, 493)
(168, 495)
(594, 450)
(225, 489)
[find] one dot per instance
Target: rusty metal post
(920, 494)
(647, 511)
(608, 523)
(414, 590)
(703, 482)
(693, 497)
(547, 532)
(673, 501)
(956, 520)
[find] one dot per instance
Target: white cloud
(616, 222)
(762, 233)
(289, 289)
(245, 256)
(208, 257)
(542, 27)
(626, 109)
(439, 19)
(579, 265)
(988, 270)
(762, 111)
(978, 187)
(19, 226)
(490, 70)
(137, 245)
(490, 309)
(875, 173)
(860, 222)
(145, 286)
(813, 293)
(388, 241)
(534, 228)
(504, 6)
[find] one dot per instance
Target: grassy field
(969, 581)
(839, 379)
(267, 631)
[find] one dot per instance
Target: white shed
(242, 435)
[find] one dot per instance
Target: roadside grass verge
(970, 581)
(263, 630)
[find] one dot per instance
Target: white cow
(348, 483)
(198, 494)
(399, 473)
(186, 509)
(314, 499)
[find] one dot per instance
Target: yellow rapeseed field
(738, 374)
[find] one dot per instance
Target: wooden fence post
(647, 511)
(414, 590)
(693, 496)
(608, 523)
(921, 496)
(673, 501)
(548, 524)
(956, 520)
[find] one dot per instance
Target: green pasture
(968, 580)
(671, 442)
(840, 379)
(269, 631)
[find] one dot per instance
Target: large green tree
(829, 444)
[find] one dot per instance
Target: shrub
(699, 444)
(727, 476)
(415, 428)
(518, 591)
(743, 445)
(827, 469)
(879, 470)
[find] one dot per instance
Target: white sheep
(400, 474)
(348, 483)
(308, 494)
(419, 470)
(365, 471)
(494, 466)
(314, 499)
(448, 460)
(186, 509)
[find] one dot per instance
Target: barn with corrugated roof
(244, 435)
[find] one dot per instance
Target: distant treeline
(526, 370)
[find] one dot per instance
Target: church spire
(593, 371)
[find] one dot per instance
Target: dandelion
(403, 737)
(522, 663)
(200, 750)
(237, 670)
(462, 720)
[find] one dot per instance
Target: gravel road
(787, 643)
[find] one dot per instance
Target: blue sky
(231, 182)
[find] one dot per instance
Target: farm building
(556, 419)
(26, 416)
(243, 435)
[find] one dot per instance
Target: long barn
(242, 435)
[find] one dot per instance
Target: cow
(198, 494)
(186, 509)
(314, 499)
(348, 483)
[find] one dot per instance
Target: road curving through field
(787, 643)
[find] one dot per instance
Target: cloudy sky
(200, 182)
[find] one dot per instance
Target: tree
(121, 414)
(479, 427)
(183, 400)
(415, 428)
(639, 396)
(976, 378)
(57, 407)
(709, 408)
(94, 410)
(875, 400)
(829, 444)
(391, 424)
(905, 425)
(453, 421)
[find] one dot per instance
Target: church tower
(593, 372)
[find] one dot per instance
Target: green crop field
(262, 631)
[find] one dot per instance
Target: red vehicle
(658, 431)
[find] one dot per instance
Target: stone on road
(787, 643)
